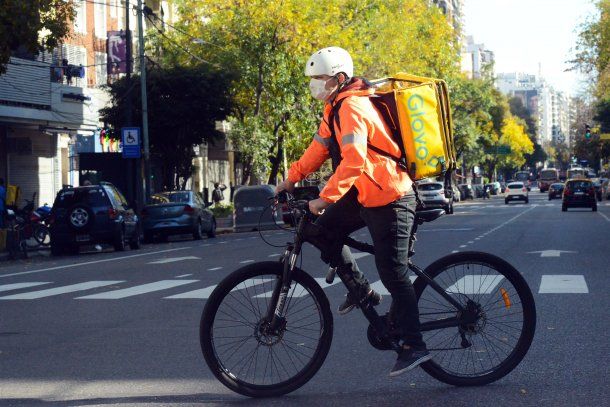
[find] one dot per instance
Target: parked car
(307, 193)
(605, 188)
(252, 208)
(516, 191)
(478, 190)
(494, 188)
(177, 212)
(579, 193)
(433, 195)
(597, 184)
(90, 215)
(466, 190)
(555, 190)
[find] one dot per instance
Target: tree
(183, 105)
(267, 43)
(32, 26)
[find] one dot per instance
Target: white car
(516, 191)
(433, 196)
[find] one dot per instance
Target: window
(76, 56)
(101, 76)
(100, 19)
(80, 20)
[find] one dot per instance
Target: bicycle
(267, 327)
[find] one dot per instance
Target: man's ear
(341, 78)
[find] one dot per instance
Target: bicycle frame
(275, 312)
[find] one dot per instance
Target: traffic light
(587, 131)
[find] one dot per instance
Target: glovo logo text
(416, 105)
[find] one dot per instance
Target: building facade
(477, 61)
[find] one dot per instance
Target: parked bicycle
(267, 327)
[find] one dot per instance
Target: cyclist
(367, 189)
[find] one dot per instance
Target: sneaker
(408, 359)
(350, 302)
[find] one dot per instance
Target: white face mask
(318, 90)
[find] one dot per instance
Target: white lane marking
(301, 291)
(380, 288)
(477, 238)
(223, 242)
(137, 290)
(475, 284)
(59, 290)
(246, 261)
(454, 251)
(471, 242)
(604, 216)
(563, 284)
(174, 259)
(552, 253)
(184, 275)
(510, 220)
(205, 293)
(16, 286)
(92, 262)
(445, 230)
(360, 255)
(462, 246)
(253, 237)
(275, 255)
(214, 268)
(238, 239)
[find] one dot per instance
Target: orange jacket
(377, 178)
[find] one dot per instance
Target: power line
(187, 34)
(180, 46)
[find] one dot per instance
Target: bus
(576, 172)
(523, 176)
(548, 176)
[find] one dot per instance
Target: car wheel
(594, 208)
(119, 242)
(550, 198)
(564, 208)
(212, 232)
(148, 237)
(57, 249)
(198, 233)
(527, 200)
(506, 201)
(135, 242)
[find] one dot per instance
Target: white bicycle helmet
(330, 61)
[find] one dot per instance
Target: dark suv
(92, 214)
(579, 193)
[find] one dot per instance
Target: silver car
(177, 212)
(433, 196)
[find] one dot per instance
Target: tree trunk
(277, 161)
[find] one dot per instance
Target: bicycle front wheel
(246, 356)
(488, 348)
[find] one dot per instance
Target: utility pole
(144, 104)
(132, 172)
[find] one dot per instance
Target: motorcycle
(32, 223)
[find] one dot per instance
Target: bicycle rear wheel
(243, 354)
(504, 328)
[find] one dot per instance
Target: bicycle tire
(229, 379)
(528, 329)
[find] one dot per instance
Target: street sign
(130, 137)
(500, 149)
(605, 136)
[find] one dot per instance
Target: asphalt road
(102, 328)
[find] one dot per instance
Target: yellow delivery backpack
(418, 113)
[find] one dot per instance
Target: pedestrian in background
(217, 194)
(2, 202)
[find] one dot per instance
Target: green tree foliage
(183, 105)
(268, 43)
(593, 49)
(31, 26)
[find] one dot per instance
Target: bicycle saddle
(428, 215)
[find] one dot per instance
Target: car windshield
(93, 197)
(515, 186)
(430, 187)
(167, 197)
(557, 186)
(580, 184)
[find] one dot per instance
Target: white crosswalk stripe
(137, 290)
(563, 284)
(469, 284)
(475, 284)
(59, 290)
(17, 286)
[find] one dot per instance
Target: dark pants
(390, 226)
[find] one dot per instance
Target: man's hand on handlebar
(284, 186)
(317, 206)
